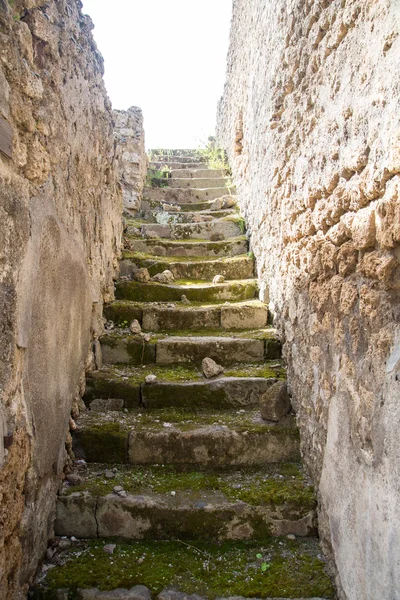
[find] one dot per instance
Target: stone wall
(60, 233)
(131, 156)
(310, 119)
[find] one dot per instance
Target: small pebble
(109, 474)
(173, 493)
(151, 379)
(109, 548)
(291, 536)
(185, 300)
(117, 488)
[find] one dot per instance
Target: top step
(178, 155)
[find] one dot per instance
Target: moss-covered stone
(191, 268)
(122, 313)
(194, 291)
(280, 484)
(101, 442)
(293, 569)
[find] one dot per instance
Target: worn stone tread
(192, 207)
(238, 290)
(198, 173)
(205, 268)
(185, 195)
(170, 436)
(155, 316)
(230, 570)
(176, 347)
(193, 248)
(200, 183)
(163, 503)
(183, 231)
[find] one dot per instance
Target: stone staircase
(179, 485)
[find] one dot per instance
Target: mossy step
(164, 316)
(177, 386)
(235, 290)
(192, 248)
(194, 207)
(235, 267)
(163, 503)
(271, 568)
(126, 382)
(184, 195)
(199, 183)
(175, 164)
(177, 347)
(185, 231)
(168, 436)
(198, 173)
(163, 217)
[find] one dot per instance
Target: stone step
(214, 439)
(198, 173)
(121, 347)
(199, 183)
(182, 154)
(184, 195)
(156, 316)
(191, 248)
(119, 387)
(236, 290)
(148, 206)
(215, 230)
(171, 165)
(162, 217)
(235, 267)
(271, 568)
(164, 503)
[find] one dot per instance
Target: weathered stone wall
(131, 156)
(310, 118)
(60, 232)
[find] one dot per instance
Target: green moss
(158, 292)
(263, 369)
(104, 442)
(281, 485)
(228, 569)
(122, 313)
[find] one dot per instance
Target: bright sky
(168, 58)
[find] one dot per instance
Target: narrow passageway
(188, 473)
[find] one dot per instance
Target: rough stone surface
(275, 402)
(164, 277)
(139, 592)
(131, 155)
(309, 118)
(135, 327)
(210, 368)
(60, 230)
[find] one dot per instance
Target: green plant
(214, 157)
(156, 178)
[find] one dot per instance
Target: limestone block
(275, 402)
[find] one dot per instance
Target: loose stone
(218, 279)
(74, 479)
(275, 402)
(164, 277)
(135, 327)
(171, 208)
(109, 474)
(142, 275)
(151, 378)
(211, 368)
(109, 548)
(185, 300)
